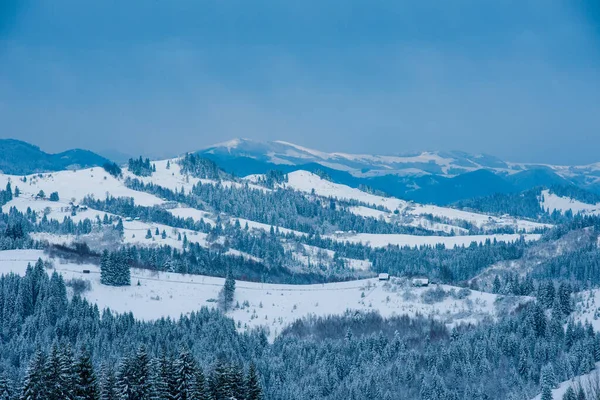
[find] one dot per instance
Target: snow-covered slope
(76, 185)
(274, 306)
(583, 380)
(552, 202)
(383, 240)
(310, 183)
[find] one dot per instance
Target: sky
(518, 79)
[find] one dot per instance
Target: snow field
(164, 294)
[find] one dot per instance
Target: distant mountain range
(428, 177)
(21, 158)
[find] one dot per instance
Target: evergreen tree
(57, 376)
(185, 372)
(201, 391)
(253, 389)
(108, 383)
(547, 381)
(6, 390)
(87, 385)
(34, 386)
(107, 273)
(570, 394)
(228, 291)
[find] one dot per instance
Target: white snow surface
(551, 202)
(383, 240)
(583, 380)
(307, 182)
(77, 184)
(164, 294)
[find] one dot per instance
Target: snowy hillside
(310, 183)
(163, 294)
(551, 202)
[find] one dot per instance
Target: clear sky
(517, 79)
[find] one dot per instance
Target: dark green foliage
(228, 291)
(140, 167)
(115, 269)
(54, 196)
(86, 387)
(200, 167)
(113, 169)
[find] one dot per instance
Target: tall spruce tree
(87, 384)
(34, 385)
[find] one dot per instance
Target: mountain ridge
(21, 158)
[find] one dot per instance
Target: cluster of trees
(141, 167)
(61, 375)
(115, 269)
(126, 207)
(113, 169)
(355, 356)
(285, 208)
(272, 178)
(200, 167)
(527, 204)
(6, 195)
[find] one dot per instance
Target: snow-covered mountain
(430, 177)
(447, 164)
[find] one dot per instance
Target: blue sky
(516, 79)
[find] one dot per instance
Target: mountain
(21, 158)
(430, 177)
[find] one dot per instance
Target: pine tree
(228, 291)
(34, 386)
(496, 285)
(57, 376)
(120, 227)
(200, 386)
(166, 382)
(140, 375)
(569, 394)
(125, 386)
(547, 381)
(87, 385)
(106, 269)
(6, 390)
(253, 389)
(108, 383)
(185, 373)
(220, 385)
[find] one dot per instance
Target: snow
(307, 182)
(551, 202)
(165, 294)
(78, 184)
(587, 308)
(195, 214)
(407, 220)
(383, 240)
(171, 178)
(264, 227)
(557, 394)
